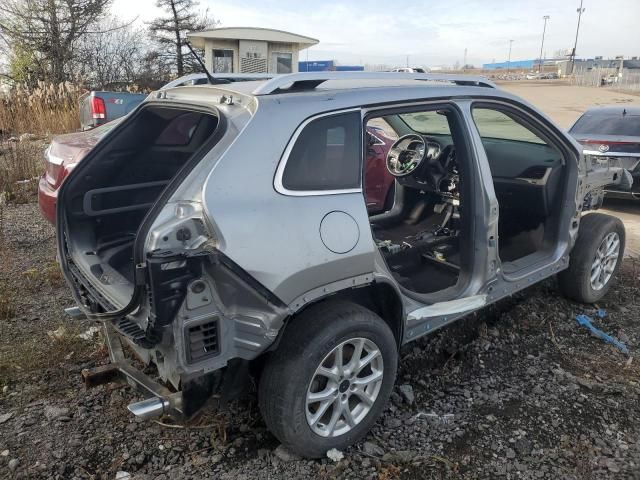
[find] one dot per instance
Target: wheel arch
(379, 297)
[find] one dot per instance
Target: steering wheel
(406, 155)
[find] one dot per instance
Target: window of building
(283, 62)
(222, 61)
(326, 155)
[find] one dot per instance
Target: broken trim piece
(450, 307)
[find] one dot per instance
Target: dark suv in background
(612, 133)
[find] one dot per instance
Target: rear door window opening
(106, 205)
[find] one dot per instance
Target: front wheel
(595, 258)
(329, 379)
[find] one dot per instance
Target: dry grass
(7, 299)
(45, 110)
(38, 353)
(389, 472)
(38, 278)
(21, 163)
(39, 113)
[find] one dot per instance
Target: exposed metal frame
(121, 369)
(454, 104)
(309, 80)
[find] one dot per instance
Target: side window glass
(495, 124)
(180, 130)
(326, 155)
(513, 149)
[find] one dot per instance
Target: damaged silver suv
(223, 233)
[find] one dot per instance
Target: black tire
(575, 281)
(287, 374)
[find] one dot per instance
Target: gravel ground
(519, 391)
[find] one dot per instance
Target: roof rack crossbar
(309, 80)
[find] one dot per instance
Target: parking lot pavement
(629, 212)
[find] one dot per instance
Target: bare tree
(111, 58)
(170, 31)
(154, 70)
(49, 30)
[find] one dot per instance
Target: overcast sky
(430, 32)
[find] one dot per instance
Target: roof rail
(309, 80)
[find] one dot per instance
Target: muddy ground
(519, 391)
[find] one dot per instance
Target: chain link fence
(608, 77)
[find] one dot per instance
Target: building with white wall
(250, 50)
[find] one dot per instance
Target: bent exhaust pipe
(75, 313)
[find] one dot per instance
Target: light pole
(544, 29)
(575, 45)
(509, 58)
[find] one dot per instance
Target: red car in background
(66, 151)
(379, 183)
(63, 154)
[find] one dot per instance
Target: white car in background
(410, 70)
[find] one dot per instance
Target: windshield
(427, 122)
(608, 124)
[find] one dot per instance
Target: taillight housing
(98, 109)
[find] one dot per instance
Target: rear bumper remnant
(160, 401)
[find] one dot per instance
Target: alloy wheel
(605, 261)
(344, 387)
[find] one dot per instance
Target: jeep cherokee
(244, 247)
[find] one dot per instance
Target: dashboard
(526, 175)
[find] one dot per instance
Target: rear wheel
(329, 379)
(595, 258)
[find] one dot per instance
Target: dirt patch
(564, 103)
